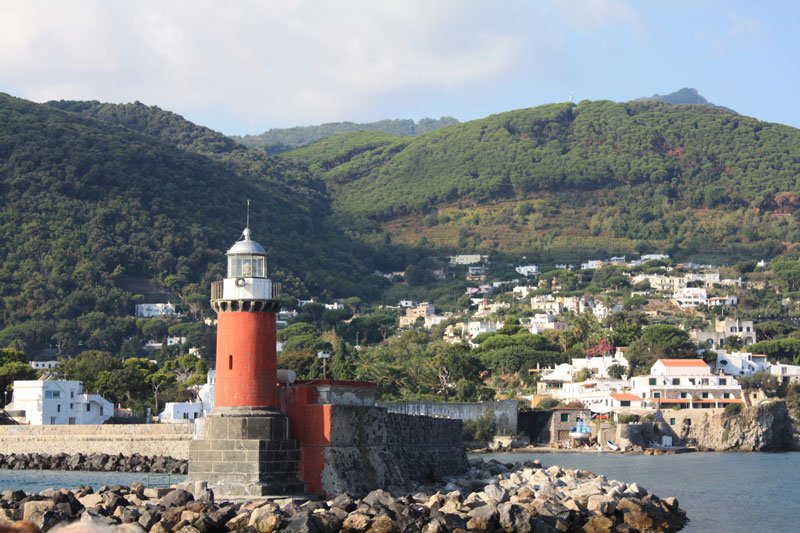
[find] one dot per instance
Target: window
(58, 408)
(186, 415)
(652, 381)
(101, 410)
(625, 403)
(230, 362)
(565, 417)
(704, 395)
(72, 394)
(676, 381)
(726, 395)
(52, 394)
(71, 421)
(671, 421)
(52, 420)
(723, 381)
(656, 395)
(71, 406)
(687, 421)
(88, 407)
(684, 395)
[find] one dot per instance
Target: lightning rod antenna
(248, 214)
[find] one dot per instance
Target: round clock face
(240, 282)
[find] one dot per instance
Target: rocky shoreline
(492, 496)
(97, 462)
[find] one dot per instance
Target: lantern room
(247, 258)
(247, 275)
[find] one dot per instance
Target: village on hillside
(603, 341)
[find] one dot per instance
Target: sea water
(720, 492)
(38, 480)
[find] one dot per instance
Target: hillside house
(527, 270)
(422, 310)
(690, 297)
(468, 259)
(53, 402)
(741, 363)
(727, 327)
(685, 383)
(155, 310)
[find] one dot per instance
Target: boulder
(483, 518)
(513, 518)
(264, 520)
(356, 521)
(599, 524)
(34, 511)
(176, 498)
(382, 524)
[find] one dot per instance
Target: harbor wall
(505, 411)
(170, 440)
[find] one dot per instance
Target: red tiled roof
(624, 396)
(683, 362)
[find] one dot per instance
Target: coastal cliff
(764, 427)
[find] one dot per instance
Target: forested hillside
(92, 195)
(574, 179)
(279, 140)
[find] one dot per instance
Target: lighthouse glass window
(247, 266)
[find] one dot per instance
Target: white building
(520, 292)
(527, 270)
(180, 412)
(43, 365)
(543, 322)
(685, 383)
(600, 364)
(152, 310)
(690, 297)
(741, 363)
(467, 259)
(592, 264)
(184, 412)
(722, 301)
(476, 327)
(486, 308)
(52, 402)
(407, 303)
(786, 373)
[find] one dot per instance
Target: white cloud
(279, 63)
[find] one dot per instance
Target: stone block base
(242, 456)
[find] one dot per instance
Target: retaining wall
(505, 411)
(171, 440)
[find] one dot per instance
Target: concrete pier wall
(171, 440)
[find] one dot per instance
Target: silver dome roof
(246, 246)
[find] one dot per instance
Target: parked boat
(580, 431)
(612, 445)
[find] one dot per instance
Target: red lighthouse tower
(246, 302)
(243, 448)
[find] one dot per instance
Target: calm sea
(37, 480)
(721, 492)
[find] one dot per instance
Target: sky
(245, 66)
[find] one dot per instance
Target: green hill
(571, 180)
(279, 140)
(97, 196)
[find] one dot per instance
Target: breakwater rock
(764, 427)
(491, 497)
(96, 462)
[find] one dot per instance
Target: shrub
(479, 430)
(628, 419)
(733, 409)
(548, 403)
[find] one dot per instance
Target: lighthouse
(243, 448)
(246, 303)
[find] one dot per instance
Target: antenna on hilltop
(570, 96)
